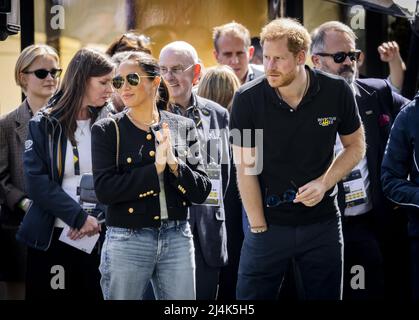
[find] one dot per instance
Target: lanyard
(76, 161)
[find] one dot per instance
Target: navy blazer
(400, 172)
(208, 222)
(378, 106)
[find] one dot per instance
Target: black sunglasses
(43, 73)
(273, 200)
(339, 57)
(133, 79)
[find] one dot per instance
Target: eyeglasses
(133, 79)
(288, 196)
(176, 70)
(43, 73)
(339, 57)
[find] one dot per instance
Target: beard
(283, 80)
(347, 73)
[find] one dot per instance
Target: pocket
(220, 214)
(185, 230)
(118, 234)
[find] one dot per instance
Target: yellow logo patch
(325, 122)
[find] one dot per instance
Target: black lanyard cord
(76, 160)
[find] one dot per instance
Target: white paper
(85, 244)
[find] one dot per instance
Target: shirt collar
(178, 109)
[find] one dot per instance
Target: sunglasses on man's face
(43, 73)
(133, 79)
(340, 57)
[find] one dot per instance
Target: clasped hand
(164, 151)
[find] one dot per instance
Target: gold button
(141, 195)
(148, 193)
(149, 136)
(129, 160)
(184, 203)
(131, 210)
(151, 153)
(152, 191)
(156, 218)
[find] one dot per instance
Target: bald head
(180, 68)
(180, 48)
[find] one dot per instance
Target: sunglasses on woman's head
(43, 73)
(340, 57)
(133, 79)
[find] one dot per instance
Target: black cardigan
(131, 190)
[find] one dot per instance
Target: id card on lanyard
(213, 171)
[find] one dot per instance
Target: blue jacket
(400, 171)
(43, 158)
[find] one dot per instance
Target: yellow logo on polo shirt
(325, 122)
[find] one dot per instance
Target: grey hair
(318, 34)
(184, 47)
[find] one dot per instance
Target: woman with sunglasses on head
(36, 72)
(147, 168)
(57, 153)
(129, 41)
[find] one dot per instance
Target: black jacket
(131, 191)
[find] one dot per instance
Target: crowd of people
(249, 181)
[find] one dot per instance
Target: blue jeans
(133, 257)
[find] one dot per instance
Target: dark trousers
(81, 272)
(233, 213)
(414, 265)
(316, 250)
(206, 276)
(363, 261)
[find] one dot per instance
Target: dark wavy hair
(86, 63)
(151, 67)
(130, 41)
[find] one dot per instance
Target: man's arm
(390, 53)
(248, 184)
(354, 150)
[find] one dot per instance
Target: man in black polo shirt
(287, 181)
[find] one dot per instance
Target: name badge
(213, 171)
(355, 193)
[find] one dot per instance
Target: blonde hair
(234, 29)
(219, 84)
(28, 56)
(297, 36)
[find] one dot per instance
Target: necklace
(142, 123)
(305, 88)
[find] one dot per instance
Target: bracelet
(258, 229)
